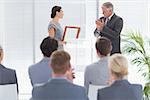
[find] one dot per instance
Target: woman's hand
(62, 42)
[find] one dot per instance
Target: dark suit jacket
(121, 90)
(59, 89)
(7, 76)
(112, 31)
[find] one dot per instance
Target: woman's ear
(57, 12)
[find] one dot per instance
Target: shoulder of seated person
(137, 85)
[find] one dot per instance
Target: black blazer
(112, 31)
(7, 76)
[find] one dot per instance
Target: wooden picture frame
(71, 27)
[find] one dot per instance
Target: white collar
(111, 16)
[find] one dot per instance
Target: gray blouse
(59, 32)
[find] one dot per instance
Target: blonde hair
(118, 65)
(60, 61)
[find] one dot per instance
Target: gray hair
(109, 5)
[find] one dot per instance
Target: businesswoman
(54, 28)
(120, 89)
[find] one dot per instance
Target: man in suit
(41, 72)
(98, 72)
(7, 75)
(59, 87)
(110, 26)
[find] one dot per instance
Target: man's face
(106, 11)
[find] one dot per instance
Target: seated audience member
(98, 72)
(59, 87)
(41, 72)
(7, 75)
(120, 88)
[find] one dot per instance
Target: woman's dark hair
(54, 10)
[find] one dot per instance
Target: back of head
(118, 65)
(108, 5)
(48, 46)
(60, 62)
(103, 46)
(54, 10)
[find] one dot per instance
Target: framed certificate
(71, 32)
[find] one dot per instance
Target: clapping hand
(100, 24)
(70, 74)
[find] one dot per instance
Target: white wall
(2, 22)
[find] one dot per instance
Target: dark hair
(54, 10)
(103, 46)
(48, 46)
(60, 61)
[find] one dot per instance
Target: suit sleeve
(30, 76)
(107, 32)
(16, 81)
(98, 96)
(97, 33)
(86, 80)
(85, 95)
